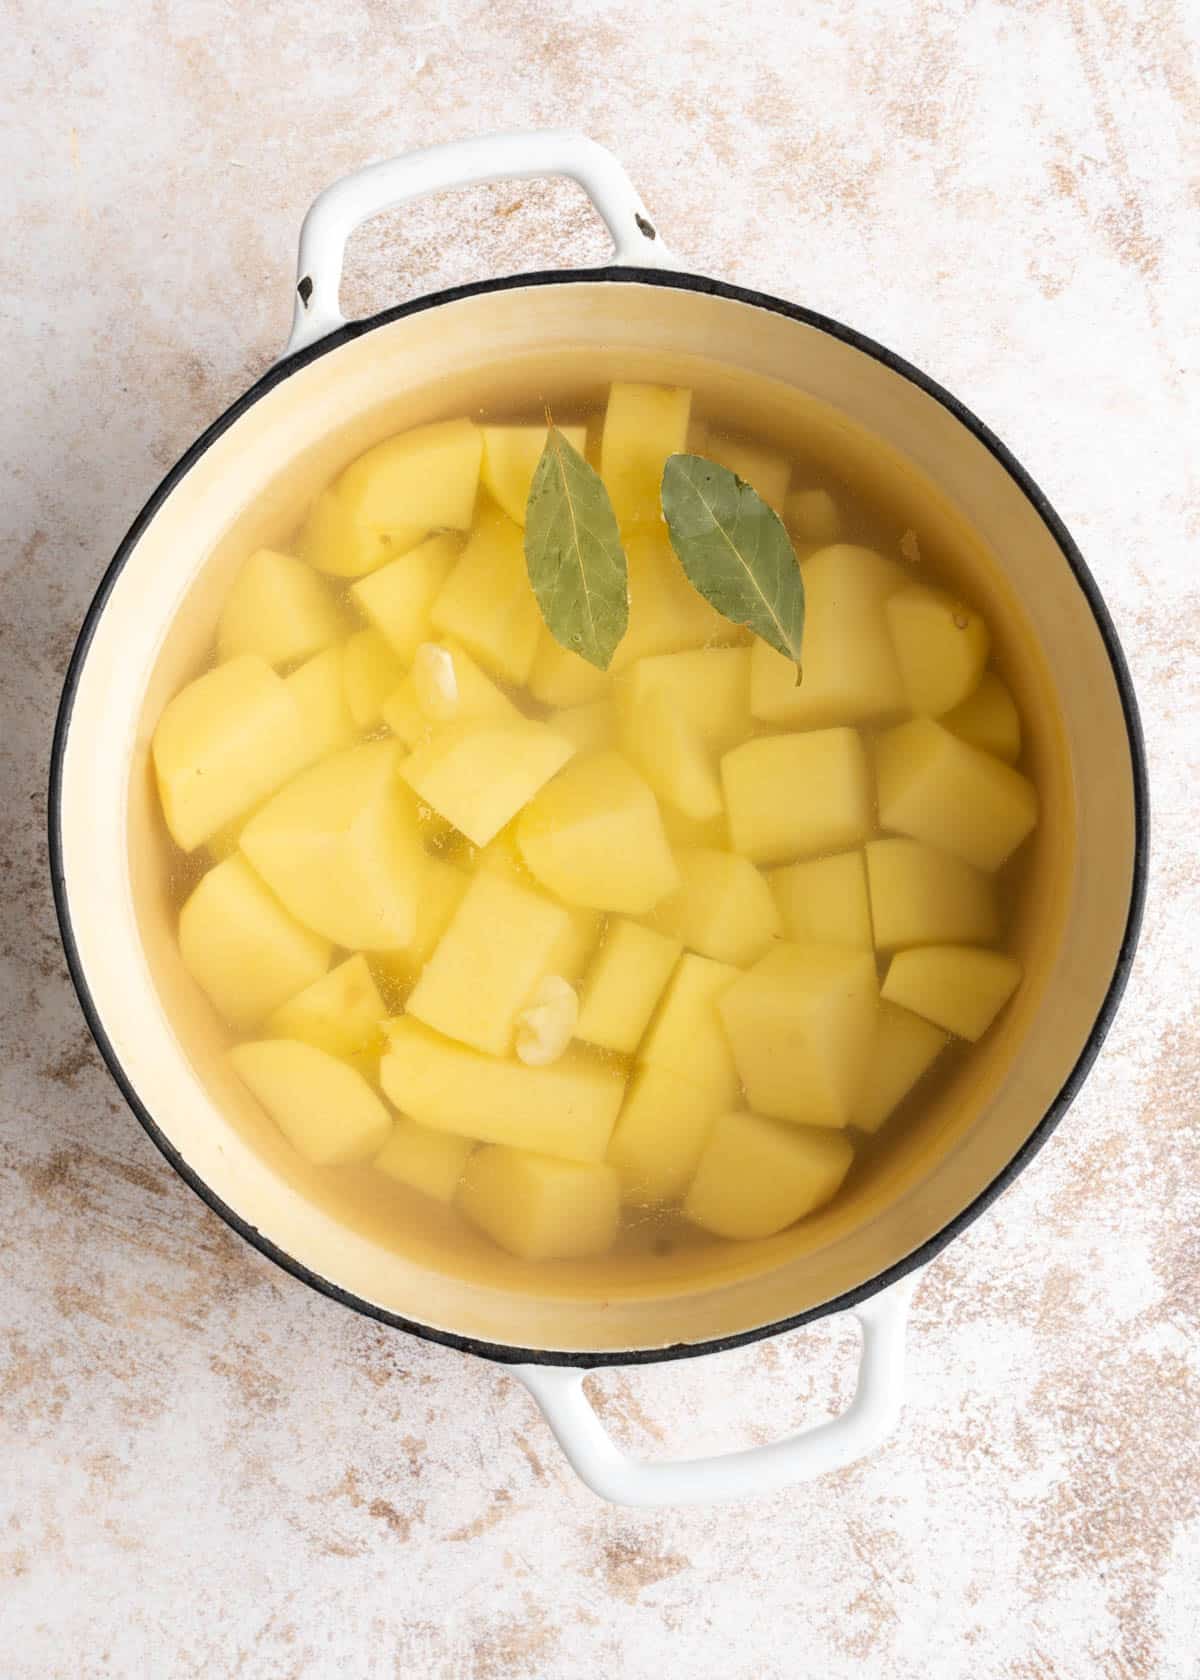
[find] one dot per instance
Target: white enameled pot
(339, 387)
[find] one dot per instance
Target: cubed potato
(958, 987)
(941, 645)
(590, 728)
(824, 901)
(661, 1131)
(222, 744)
(904, 1048)
(685, 833)
(670, 753)
(442, 887)
(813, 517)
(567, 1109)
(479, 775)
(539, 1208)
(278, 609)
(666, 614)
(339, 1013)
(800, 1024)
(623, 985)
(486, 602)
(851, 674)
(723, 909)
(765, 470)
(426, 478)
(708, 687)
(340, 847)
(757, 1177)
(432, 1162)
(241, 946)
(574, 947)
(687, 1035)
(920, 896)
(643, 424)
(319, 689)
(503, 855)
(934, 787)
(595, 838)
(510, 458)
(988, 719)
(791, 796)
(371, 671)
(561, 678)
(499, 943)
(444, 686)
(397, 599)
(326, 1110)
(333, 542)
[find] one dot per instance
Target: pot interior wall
(774, 375)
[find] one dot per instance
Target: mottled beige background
(207, 1470)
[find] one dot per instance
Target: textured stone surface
(205, 1469)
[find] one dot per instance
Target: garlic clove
(435, 682)
(546, 1024)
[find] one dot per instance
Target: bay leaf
(735, 550)
(573, 553)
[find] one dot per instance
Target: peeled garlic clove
(545, 1025)
(435, 682)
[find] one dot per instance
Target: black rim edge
(502, 1353)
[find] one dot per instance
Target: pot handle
(866, 1422)
(489, 157)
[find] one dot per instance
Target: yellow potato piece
(339, 846)
(958, 987)
(339, 1013)
(441, 890)
(397, 599)
(326, 1110)
(988, 719)
(685, 833)
(561, 678)
(708, 687)
(319, 689)
(941, 645)
(666, 615)
(278, 609)
(800, 1024)
(567, 1109)
(813, 517)
(623, 985)
(486, 602)
(920, 896)
(765, 470)
(687, 1036)
(934, 787)
(594, 837)
(660, 1135)
(756, 1177)
(222, 744)
(643, 424)
(578, 940)
(851, 674)
(498, 945)
(241, 946)
(723, 909)
(331, 540)
(432, 1162)
(479, 775)
(510, 458)
(590, 728)
(669, 751)
(904, 1049)
(790, 796)
(413, 710)
(824, 901)
(426, 478)
(541, 1209)
(371, 671)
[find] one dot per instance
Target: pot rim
(614, 274)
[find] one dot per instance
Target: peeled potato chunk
(789, 796)
(824, 901)
(723, 909)
(486, 602)
(510, 458)
(623, 985)
(765, 469)
(339, 1013)
(426, 479)
(432, 1162)
(441, 890)
(340, 848)
(561, 678)
(687, 1035)
(920, 896)
(276, 608)
(988, 719)
(222, 744)
(709, 687)
(800, 1023)
(594, 837)
(325, 1109)
(941, 645)
(539, 1208)
(333, 542)
(904, 1048)
(398, 598)
(756, 1176)
(957, 987)
(591, 728)
(371, 671)
(813, 516)
(242, 947)
(567, 1109)
(661, 1131)
(319, 690)
(643, 424)
(666, 615)
(480, 774)
(934, 787)
(670, 753)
